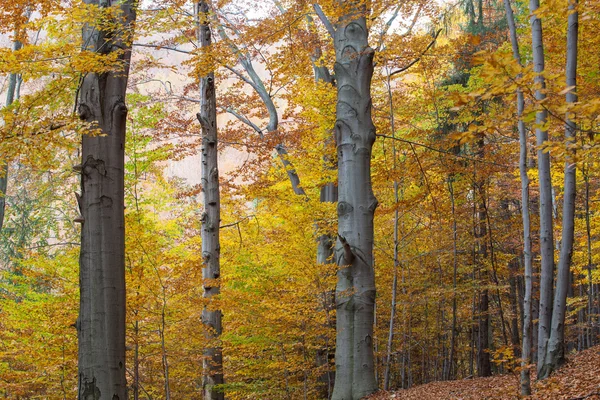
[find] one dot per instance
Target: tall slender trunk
(525, 379)
(355, 135)
(555, 352)
(483, 349)
(515, 341)
(481, 233)
(212, 362)
(546, 232)
(136, 360)
(11, 92)
(390, 341)
(588, 229)
(163, 346)
(451, 371)
(388, 361)
(101, 323)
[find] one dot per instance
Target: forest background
(448, 230)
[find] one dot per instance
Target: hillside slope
(579, 379)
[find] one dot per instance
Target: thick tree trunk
(212, 364)
(101, 323)
(546, 233)
(555, 352)
(355, 135)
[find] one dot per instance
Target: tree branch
(416, 60)
(244, 120)
(324, 20)
(445, 151)
(155, 46)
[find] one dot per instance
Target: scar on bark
(204, 123)
(93, 163)
(348, 254)
(89, 391)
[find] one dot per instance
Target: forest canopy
(283, 199)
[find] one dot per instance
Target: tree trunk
(481, 233)
(546, 233)
(101, 323)
(10, 97)
(355, 135)
(390, 343)
(515, 340)
(555, 353)
(525, 379)
(451, 371)
(588, 233)
(483, 348)
(163, 346)
(212, 362)
(136, 360)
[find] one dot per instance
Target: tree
(527, 255)
(555, 352)
(10, 96)
(101, 322)
(355, 135)
(546, 223)
(212, 365)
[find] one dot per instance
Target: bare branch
(416, 60)
(324, 20)
(244, 119)
(242, 77)
(444, 151)
(155, 46)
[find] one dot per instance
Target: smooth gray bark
(390, 341)
(101, 322)
(10, 98)
(555, 352)
(212, 364)
(355, 135)
(515, 339)
(525, 379)
(546, 232)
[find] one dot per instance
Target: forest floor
(578, 379)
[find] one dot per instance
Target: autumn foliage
(448, 233)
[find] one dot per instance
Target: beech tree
(101, 322)
(453, 196)
(555, 351)
(546, 223)
(354, 135)
(527, 255)
(11, 93)
(212, 365)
